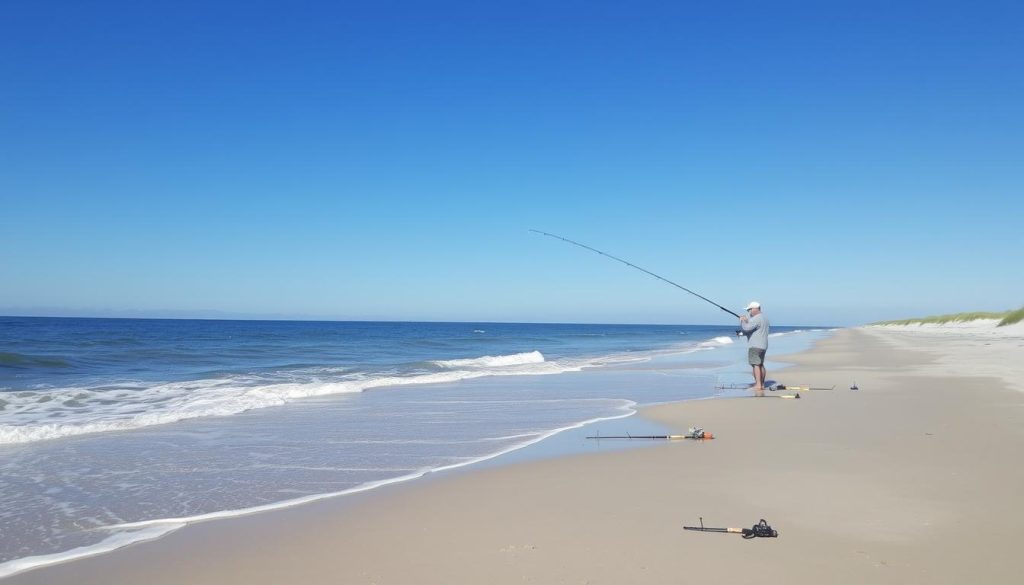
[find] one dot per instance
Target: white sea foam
(722, 340)
(493, 361)
(37, 416)
(112, 542)
(127, 533)
(627, 408)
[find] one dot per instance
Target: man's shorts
(755, 355)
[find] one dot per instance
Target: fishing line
(631, 265)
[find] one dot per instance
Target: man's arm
(750, 325)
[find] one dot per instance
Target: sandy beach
(913, 478)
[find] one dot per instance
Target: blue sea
(114, 431)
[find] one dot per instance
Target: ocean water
(119, 430)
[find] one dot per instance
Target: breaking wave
(42, 415)
(493, 361)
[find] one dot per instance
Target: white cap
(753, 305)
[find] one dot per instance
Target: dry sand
(915, 478)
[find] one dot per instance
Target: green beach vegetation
(1013, 317)
(1005, 318)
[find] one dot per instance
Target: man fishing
(755, 328)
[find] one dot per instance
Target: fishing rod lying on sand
(784, 387)
(692, 433)
(772, 388)
(733, 386)
(631, 265)
(759, 530)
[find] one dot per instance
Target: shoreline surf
(155, 528)
(850, 506)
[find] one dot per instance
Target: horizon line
(351, 320)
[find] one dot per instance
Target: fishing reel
(760, 530)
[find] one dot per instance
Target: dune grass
(1005, 318)
(1013, 317)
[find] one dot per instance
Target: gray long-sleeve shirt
(756, 330)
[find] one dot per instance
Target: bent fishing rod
(631, 265)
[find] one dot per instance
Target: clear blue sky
(839, 162)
